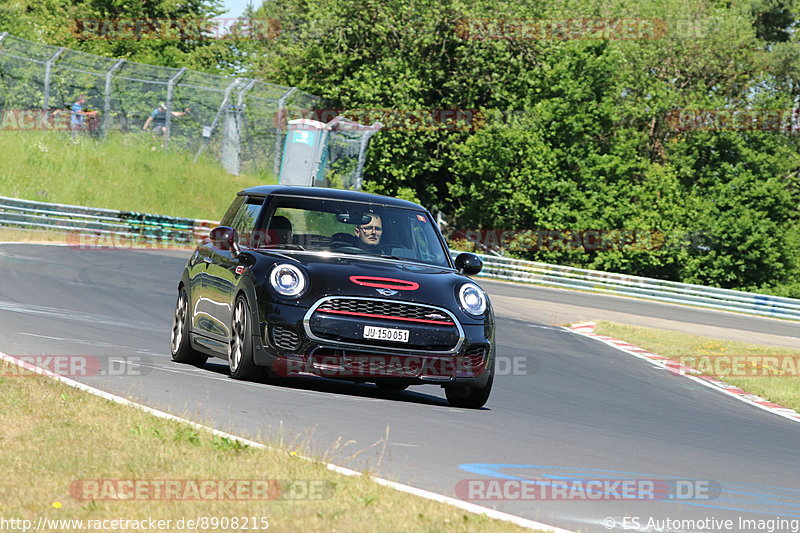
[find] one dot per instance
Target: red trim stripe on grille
(387, 283)
(352, 313)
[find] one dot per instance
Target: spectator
(77, 115)
(159, 119)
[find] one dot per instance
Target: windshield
(351, 228)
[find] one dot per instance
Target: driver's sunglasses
(371, 228)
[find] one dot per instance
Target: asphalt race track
(573, 409)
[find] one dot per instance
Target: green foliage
(564, 134)
(574, 134)
(62, 23)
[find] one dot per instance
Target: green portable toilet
(304, 152)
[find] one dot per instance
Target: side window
(426, 241)
(244, 221)
(231, 212)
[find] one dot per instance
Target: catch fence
(240, 121)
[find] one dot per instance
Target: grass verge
(31, 235)
(126, 172)
(54, 436)
(758, 369)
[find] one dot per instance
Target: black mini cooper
(303, 281)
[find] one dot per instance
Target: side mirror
(468, 263)
(225, 238)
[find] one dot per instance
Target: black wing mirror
(225, 238)
(468, 263)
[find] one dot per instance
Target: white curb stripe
(586, 329)
(466, 506)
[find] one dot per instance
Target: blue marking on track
(734, 496)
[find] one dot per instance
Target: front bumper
(298, 342)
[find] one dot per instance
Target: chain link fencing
(237, 120)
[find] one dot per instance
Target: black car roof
(323, 192)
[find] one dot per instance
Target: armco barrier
(646, 288)
(91, 220)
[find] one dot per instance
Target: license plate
(386, 334)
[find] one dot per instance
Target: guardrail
(143, 226)
(640, 287)
(103, 222)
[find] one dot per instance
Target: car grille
(400, 311)
(342, 320)
(285, 338)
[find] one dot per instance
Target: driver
(369, 234)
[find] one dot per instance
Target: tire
(180, 345)
(470, 397)
(240, 352)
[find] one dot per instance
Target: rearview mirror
(357, 219)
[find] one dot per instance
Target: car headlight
(287, 280)
(472, 299)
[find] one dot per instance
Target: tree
(115, 28)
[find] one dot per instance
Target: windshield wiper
(282, 246)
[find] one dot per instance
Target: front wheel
(240, 353)
(181, 348)
(470, 397)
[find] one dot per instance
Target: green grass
(126, 172)
(55, 436)
(700, 353)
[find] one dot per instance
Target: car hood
(343, 275)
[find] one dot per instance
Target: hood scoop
(385, 283)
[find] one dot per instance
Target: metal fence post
(107, 95)
(208, 133)
(230, 141)
(231, 133)
(362, 153)
(244, 90)
(170, 91)
(3, 36)
(278, 124)
(48, 70)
